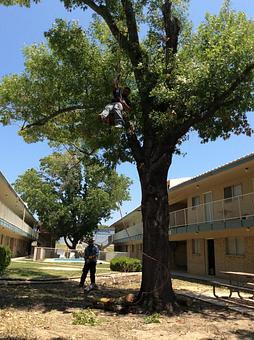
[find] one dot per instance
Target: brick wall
(226, 262)
(196, 264)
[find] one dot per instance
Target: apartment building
(211, 221)
(16, 221)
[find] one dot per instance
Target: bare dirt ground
(45, 311)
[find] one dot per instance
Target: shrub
(5, 258)
(125, 264)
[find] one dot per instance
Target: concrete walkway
(200, 288)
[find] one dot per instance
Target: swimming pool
(80, 259)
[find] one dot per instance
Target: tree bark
(156, 293)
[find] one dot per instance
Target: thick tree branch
(106, 15)
(133, 141)
(131, 22)
(69, 245)
(144, 78)
(172, 30)
(137, 57)
(45, 120)
(129, 44)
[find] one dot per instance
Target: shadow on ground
(54, 296)
(244, 334)
(66, 296)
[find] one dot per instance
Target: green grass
(153, 318)
(85, 317)
(27, 270)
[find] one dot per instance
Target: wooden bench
(232, 288)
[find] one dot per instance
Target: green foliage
(5, 258)
(153, 318)
(67, 81)
(125, 264)
(26, 3)
(71, 197)
(85, 317)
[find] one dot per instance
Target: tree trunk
(71, 243)
(156, 293)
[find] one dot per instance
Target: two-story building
(211, 221)
(16, 221)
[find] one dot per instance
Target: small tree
(182, 80)
(5, 258)
(69, 197)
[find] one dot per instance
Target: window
(195, 201)
(232, 191)
(235, 246)
(196, 247)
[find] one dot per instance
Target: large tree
(181, 80)
(71, 197)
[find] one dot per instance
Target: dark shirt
(91, 251)
(118, 96)
(127, 100)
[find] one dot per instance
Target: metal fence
(238, 207)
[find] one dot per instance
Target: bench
(232, 288)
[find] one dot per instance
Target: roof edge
(17, 196)
(215, 171)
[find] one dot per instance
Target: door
(208, 206)
(211, 257)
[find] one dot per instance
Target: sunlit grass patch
(85, 317)
(31, 270)
(153, 318)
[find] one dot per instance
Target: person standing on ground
(91, 255)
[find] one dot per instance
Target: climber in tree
(113, 114)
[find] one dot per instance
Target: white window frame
(235, 246)
(193, 201)
(208, 204)
(233, 191)
(196, 246)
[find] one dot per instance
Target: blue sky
(21, 26)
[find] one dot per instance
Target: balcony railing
(13, 222)
(128, 233)
(237, 207)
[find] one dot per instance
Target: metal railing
(12, 219)
(237, 207)
(128, 232)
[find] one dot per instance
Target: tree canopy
(181, 79)
(206, 84)
(70, 197)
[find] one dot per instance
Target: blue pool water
(67, 260)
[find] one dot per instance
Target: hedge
(5, 258)
(125, 264)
